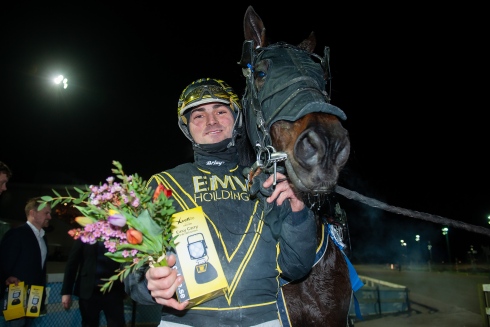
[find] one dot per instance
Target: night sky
(410, 79)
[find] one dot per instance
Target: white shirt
(42, 245)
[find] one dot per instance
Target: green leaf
(145, 224)
(140, 263)
(79, 190)
(121, 259)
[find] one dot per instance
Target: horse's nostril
(343, 154)
(310, 148)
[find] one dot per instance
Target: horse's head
(287, 107)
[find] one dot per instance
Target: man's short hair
(32, 204)
(5, 169)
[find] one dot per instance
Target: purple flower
(116, 219)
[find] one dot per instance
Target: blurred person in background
(5, 175)
(23, 254)
(85, 270)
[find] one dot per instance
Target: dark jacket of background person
(20, 256)
(85, 267)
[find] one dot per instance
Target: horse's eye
(260, 78)
(260, 74)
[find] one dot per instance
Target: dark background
(409, 77)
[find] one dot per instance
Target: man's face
(211, 123)
(41, 218)
(3, 182)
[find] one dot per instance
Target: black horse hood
(294, 86)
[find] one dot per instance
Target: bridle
(293, 94)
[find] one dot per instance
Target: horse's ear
(308, 44)
(253, 28)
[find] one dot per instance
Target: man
(256, 238)
(23, 252)
(85, 270)
(5, 175)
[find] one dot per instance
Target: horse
(290, 121)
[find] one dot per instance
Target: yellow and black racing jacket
(253, 249)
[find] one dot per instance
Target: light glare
(58, 79)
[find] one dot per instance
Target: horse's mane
(246, 152)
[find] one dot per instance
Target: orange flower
(84, 221)
(160, 189)
(134, 236)
(75, 233)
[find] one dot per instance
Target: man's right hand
(66, 301)
(12, 280)
(163, 282)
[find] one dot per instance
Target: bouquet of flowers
(133, 221)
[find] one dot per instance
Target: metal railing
(484, 295)
(377, 298)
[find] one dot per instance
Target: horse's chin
(304, 184)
